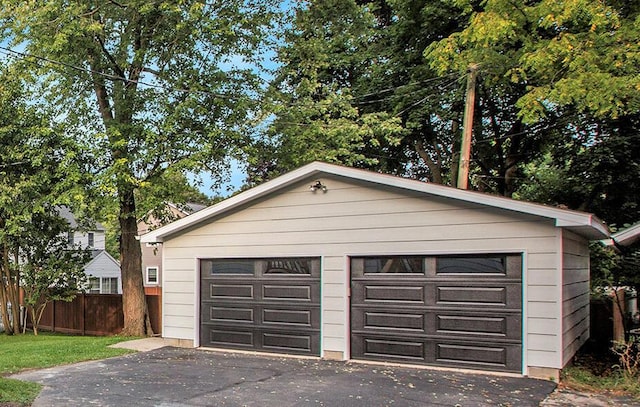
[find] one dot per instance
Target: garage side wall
(358, 219)
(575, 294)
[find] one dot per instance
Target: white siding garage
(364, 215)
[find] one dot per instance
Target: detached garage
(345, 264)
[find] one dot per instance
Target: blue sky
(236, 179)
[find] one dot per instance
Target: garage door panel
(287, 292)
(394, 321)
(394, 349)
(228, 314)
(288, 342)
(507, 357)
(370, 319)
(242, 291)
(440, 352)
(229, 337)
(386, 293)
(471, 354)
(506, 296)
(477, 325)
(299, 317)
(471, 325)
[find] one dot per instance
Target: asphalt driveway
(188, 377)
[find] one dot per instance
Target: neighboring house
(345, 264)
(626, 237)
(104, 273)
(152, 253)
(102, 270)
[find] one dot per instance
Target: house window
(109, 285)
(152, 275)
(94, 285)
(91, 239)
(70, 237)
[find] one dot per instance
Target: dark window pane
(474, 265)
(398, 265)
(288, 266)
(228, 266)
(109, 285)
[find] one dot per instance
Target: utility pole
(467, 128)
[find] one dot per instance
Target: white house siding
(82, 239)
(356, 219)
(575, 294)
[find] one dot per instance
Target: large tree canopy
(380, 84)
(565, 78)
(152, 86)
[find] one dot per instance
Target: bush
(629, 356)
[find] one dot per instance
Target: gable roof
(584, 224)
(97, 255)
(65, 213)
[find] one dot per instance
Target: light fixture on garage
(318, 186)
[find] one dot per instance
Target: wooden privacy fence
(94, 314)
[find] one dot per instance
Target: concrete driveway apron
(188, 377)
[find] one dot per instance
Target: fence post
(618, 315)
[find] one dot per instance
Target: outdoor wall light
(318, 186)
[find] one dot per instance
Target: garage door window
(214, 267)
(471, 265)
(388, 265)
(288, 266)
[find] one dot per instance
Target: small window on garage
(288, 266)
(388, 265)
(226, 266)
(471, 265)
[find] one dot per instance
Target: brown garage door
(458, 311)
(271, 305)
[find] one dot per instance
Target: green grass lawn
(23, 352)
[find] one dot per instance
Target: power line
(26, 56)
(394, 88)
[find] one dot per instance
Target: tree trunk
(9, 295)
(4, 295)
(134, 304)
(3, 305)
(434, 167)
(511, 163)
